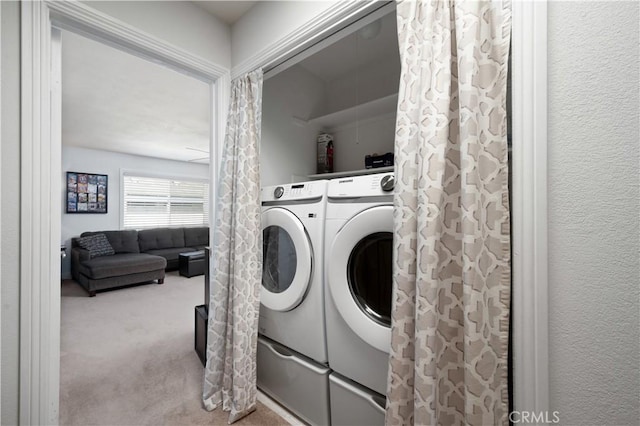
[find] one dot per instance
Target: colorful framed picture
(86, 193)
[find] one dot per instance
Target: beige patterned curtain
(450, 317)
(230, 373)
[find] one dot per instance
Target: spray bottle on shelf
(325, 153)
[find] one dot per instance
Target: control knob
(388, 183)
(279, 191)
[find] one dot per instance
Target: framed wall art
(86, 193)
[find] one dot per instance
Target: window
(151, 202)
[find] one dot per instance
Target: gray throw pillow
(97, 244)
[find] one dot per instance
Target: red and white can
(325, 153)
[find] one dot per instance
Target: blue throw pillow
(97, 245)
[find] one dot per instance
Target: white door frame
(40, 179)
(529, 206)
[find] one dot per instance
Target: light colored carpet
(127, 357)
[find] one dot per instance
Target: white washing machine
(292, 349)
(358, 278)
(292, 295)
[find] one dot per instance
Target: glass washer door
(375, 223)
(287, 260)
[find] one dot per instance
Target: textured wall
(10, 169)
(180, 23)
(269, 21)
(593, 212)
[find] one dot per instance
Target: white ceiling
(115, 101)
(356, 50)
(228, 11)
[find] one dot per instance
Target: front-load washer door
(359, 273)
(287, 260)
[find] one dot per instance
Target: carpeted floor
(127, 358)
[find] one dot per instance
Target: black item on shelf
(200, 341)
(374, 161)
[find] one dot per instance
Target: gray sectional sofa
(133, 256)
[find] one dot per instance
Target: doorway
(143, 130)
(41, 206)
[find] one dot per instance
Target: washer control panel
(374, 185)
(294, 191)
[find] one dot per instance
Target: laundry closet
(347, 88)
(324, 327)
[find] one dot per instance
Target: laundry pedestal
(298, 383)
(353, 404)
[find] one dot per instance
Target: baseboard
(287, 415)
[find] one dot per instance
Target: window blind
(153, 202)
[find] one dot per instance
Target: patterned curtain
(230, 373)
(450, 320)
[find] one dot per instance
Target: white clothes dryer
(292, 294)
(358, 276)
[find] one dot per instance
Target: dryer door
(359, 274)
(287, 260)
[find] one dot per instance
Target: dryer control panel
(375, 185)
(294, 191)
